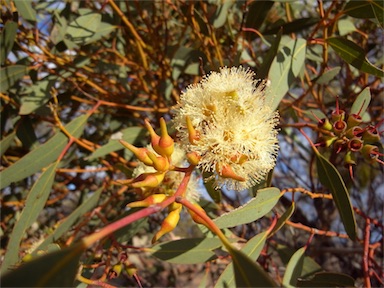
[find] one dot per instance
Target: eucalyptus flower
(225, 120)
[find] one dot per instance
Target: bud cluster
(348, 134)
(155, 179)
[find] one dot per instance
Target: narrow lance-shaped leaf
(354, 55)
(252, 249)
(187, 251)
(8, 37)
(256, 208)
(284, 69)
(10, 75)
(331, 178)
(70, 220)
(43, 155)
(294, 268)
(248, 273)
(34, 203)
(56, 269)
(362, 102)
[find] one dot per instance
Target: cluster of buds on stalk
(348, 134)
(157, 177)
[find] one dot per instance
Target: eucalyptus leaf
(256, 208)
(285, 69)
(378, 10)
(43, 155)
(328, 75)
(252, 249)
(361, 103)
(187, 251)
(26, 10)
(248, 273)
(359, 9)
(283, 219)
(10, 75)
(34, 203)
(67, 223)
(294, 268)
(331, 178)
(354, 55)
(55, 269)
(6, 142)
(8, 36)
(327, 279)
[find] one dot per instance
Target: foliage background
(102, 67)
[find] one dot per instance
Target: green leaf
(362, 102)
(284, 69)
(256, 208)
(34, 204)
(309, 267)
(345, 26)
(281, 222)
(83, 28)
(263, 71)
(252, 249)
(66, 224)
(187, 251)
(315, 114)
(10, 75)
(56, 269)
(26, 10)
(8, 36)
(129, 135)
(377, 7)
(331, 178)
(354, 55)
(43, 155)
(26, 133)
(327, 279)
(104, 30)
(248, 273)
(328, 75)
(221, 14)
(359, 9)
(37, 95)
(6, 142)
(294, 268)
(257, 12)
(293, 27)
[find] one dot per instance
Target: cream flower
(237, 129)
(172, 179)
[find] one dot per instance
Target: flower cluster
(225, 121)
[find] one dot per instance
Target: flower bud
(154, 137)
(150, 180)
(166, 143)
(193, 135)
(196, 217)
(226, 171)
(168, 224)
(324, 124)
(161, 164)
(151, 200)
(193, 158)
(327, 141)
(131, 269)
(350, 158)
(140, 153)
